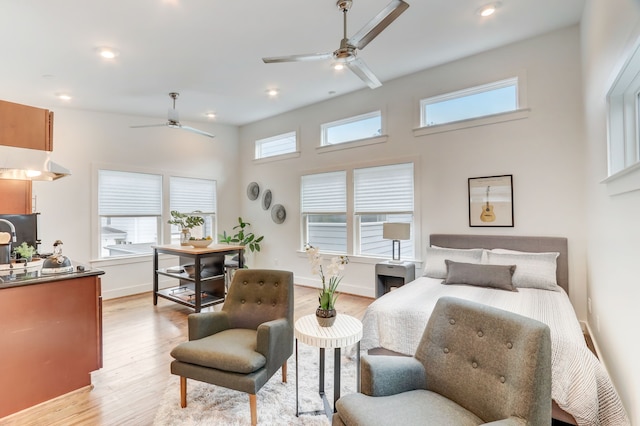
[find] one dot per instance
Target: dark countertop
(21, 278)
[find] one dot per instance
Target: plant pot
(326, 317)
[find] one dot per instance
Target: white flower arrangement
(331, 279)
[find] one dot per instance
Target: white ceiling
(210, 50)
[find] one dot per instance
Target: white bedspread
(580, 384)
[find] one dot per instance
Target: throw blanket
(580, 384)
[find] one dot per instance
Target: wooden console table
(206, 290)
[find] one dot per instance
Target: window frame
(99, 216)
(521, 111)
(464, 93)
(623, 127)
(325, 127)
(164, 234)
(353, 220)
(258, 144)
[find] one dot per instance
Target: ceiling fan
(173, 121)
(346, 53)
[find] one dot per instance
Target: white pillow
(435, 266)
(533, 270)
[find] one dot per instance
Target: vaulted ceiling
(210, 51)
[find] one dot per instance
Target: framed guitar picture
(491, 201)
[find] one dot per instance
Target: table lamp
(396, 231)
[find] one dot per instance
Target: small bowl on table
(200, 243)
(191, 269)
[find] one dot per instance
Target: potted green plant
(25, 251)
(185, 222)
(326, 312)
(242, 237)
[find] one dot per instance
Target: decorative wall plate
(266, 199)
(253, 190)
(278, 214)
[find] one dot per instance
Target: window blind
(384, 189)
(129, 194)
(187, 195)
(324, 193)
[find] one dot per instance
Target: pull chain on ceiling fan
(347, 52)
(173, 120)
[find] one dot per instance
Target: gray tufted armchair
(474, 365)
(245, 343)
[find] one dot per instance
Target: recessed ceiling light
(272, 92)
(107, 52)
(63, 96)
(488, 9)
(211, 115)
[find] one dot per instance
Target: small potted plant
(185, 222)
(25, 251)
(326, 312)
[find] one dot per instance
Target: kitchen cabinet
(50, 339)
(25, 126)
(15, 196)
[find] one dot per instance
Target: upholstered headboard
(531, 244)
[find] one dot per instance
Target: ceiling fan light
(338, 66)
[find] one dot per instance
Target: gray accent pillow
(534, 270)
(435, 266)
(494, 276)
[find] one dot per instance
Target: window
(324, 211)
(475, 102)
(130, 211)
(188, 195)
(382, 194)
(276, 145)
(351, 129)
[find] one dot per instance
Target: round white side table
(346, 331)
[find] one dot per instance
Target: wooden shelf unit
(207, 284)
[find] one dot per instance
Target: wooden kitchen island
(206, 287)
(50, 335)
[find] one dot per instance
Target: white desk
(346, 331)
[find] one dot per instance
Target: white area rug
(213, 405)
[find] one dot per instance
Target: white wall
(610, 28)
(83, 139)
(544, 153)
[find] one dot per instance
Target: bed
(582, 392)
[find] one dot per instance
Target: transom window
(353, 128)
(285, 143)
(480, 101)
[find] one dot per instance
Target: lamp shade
(396, 231)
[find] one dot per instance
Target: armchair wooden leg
(284, 372)
(254, 409)
(183, 392)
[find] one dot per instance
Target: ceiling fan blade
(200, 132)
(361, 69)
(379, 23)
(298, 58)
(148, 125)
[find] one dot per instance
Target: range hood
(29, 164)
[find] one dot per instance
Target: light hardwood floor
(137, 340)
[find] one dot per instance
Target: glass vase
(185, 235)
